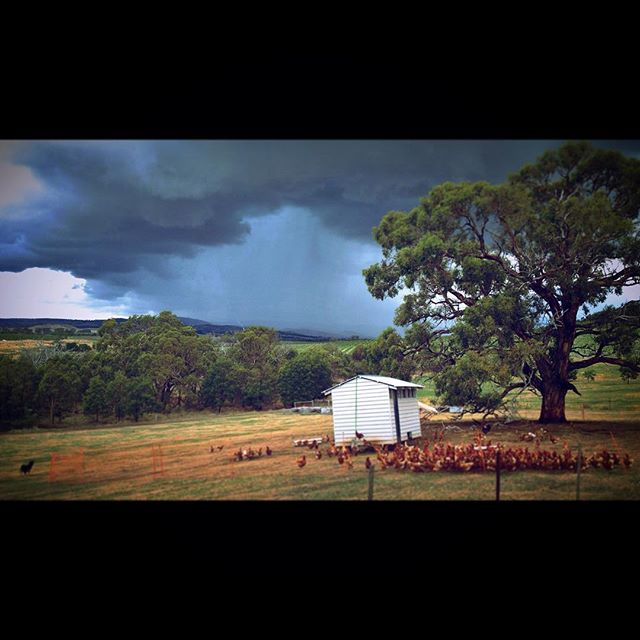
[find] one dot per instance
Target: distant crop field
(14, 346)
(171, 460)
(23, 335)
(347, 346)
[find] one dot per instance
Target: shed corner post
(396, 411)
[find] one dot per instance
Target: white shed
(384, 410)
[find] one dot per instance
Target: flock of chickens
(482, 455)
(478, 455)
(243, 454)
(473, 457)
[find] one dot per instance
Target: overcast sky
(242, 232)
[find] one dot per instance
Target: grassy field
(118, 463)
(607, 397)
(122, 462)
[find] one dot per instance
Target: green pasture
(346, 346)
(605, 397)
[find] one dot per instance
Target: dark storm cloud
(99, 215)
(110, 210)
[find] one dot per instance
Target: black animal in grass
(25, 468)
(483, 425)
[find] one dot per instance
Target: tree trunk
(553, 399)
(51, 403)
(555, 373)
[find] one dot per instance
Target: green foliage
(339, 360)
(16, 334)
(306, 376)
(60, 386)
(386, 355)
(628, 374)
(139, 397)
(18, 384)
(221, 385)
(155, 363)
(75, 346)
(117, 395)
(258, 355)
(122, 396)
(41, 353)
(94, 401)
(464, 383)
(108, 328)
(258, 392)
(502, 271)
(257, 348)
(161, 349)
(615, 332)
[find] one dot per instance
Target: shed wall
(374, 418)
(409, 417)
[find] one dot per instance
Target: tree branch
(583, 364)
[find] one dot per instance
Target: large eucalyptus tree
(500, 279)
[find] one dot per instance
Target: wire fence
(151, 461)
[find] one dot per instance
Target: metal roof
(394, 383)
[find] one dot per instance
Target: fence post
(370, 489)
(498, 475)
(579, 468)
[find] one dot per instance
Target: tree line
(157, 364)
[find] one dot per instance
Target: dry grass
(14, 347)
(119, 463)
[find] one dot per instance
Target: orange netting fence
(158, 460)
(69, 465)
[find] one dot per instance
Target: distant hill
(204, 327)
(201, 327)
(25, 323)
(326, 335)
